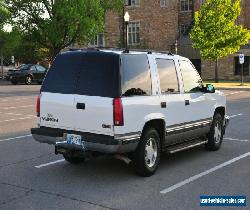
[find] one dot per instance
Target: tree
(4, 13)
(56, 24)
(216, 33)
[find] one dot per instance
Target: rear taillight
(38, 106)
(118, 112)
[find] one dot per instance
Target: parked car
(135, 104)
(27, 73)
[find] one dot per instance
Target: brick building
(157, 24)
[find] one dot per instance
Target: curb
(238, 89)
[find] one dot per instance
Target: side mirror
(209, 88)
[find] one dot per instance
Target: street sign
(12, 59)
(241, 58)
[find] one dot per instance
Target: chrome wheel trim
(29, 80)
(217, 133)
(151, 152)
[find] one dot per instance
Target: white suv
(132, 104)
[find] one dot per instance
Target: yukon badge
(49, 118)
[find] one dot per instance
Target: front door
(198, 105)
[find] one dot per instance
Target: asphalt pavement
(33, 177)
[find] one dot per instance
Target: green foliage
(215, 32)
(4, 13)
(21, 46)
(56, 24)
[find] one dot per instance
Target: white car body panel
(137, 110)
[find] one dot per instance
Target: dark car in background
(27, 73)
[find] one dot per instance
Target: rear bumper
(93, 142)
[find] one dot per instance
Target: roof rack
(121, 49)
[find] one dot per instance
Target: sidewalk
(230, 85)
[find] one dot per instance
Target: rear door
(58, 93)
(97, 85)
(172, 101)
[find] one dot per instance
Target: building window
(163, 3)
(184, 30)
(246, 66)
(134, 33)
(98, 41)
(132, 3)
(186, 5)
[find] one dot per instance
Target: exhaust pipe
(123, 158)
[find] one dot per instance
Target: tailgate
(57, 110)
(94, 114)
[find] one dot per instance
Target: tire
(147, 163)
(73, 160)
(28, 80)
(215, 135)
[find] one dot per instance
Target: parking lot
(33, 177)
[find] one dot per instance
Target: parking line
(232, 139)
(23, 118)
(236, 115)
(233, 93)
(16, 99)
(18, 114)
(14, 107)
(50, 163)
(14, 138)
(198, 176)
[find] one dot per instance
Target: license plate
(75, 139)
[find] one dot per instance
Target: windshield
(24, 67)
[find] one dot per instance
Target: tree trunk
(216, 79)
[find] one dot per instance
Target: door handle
(163, 105)
(187, 102)
(80, 106)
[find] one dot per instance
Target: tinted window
(168, 76)
(85, 73)
(99, 75)
(61, 77)
(191, 78)
(40, 68)
(33, 68)
(135, 75)
(25, 67)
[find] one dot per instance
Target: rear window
(84, 73)
(136, 79)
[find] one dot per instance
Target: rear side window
(135, 74)
(84, 73)
(168, 76)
